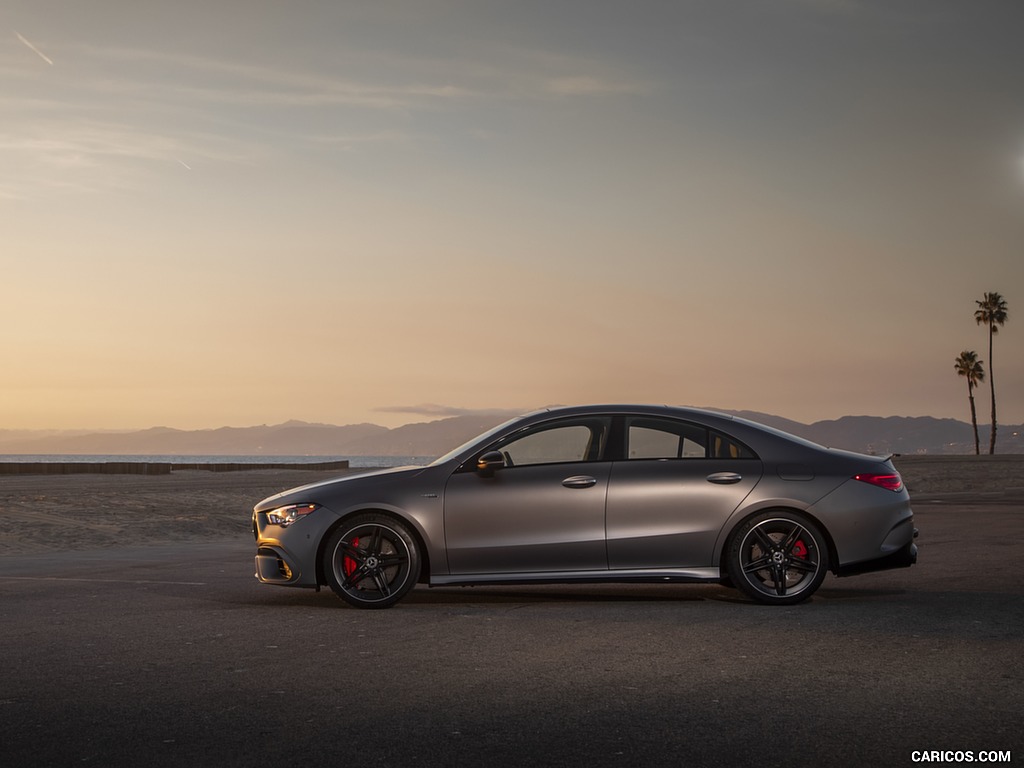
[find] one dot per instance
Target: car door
(670, 495)
(543, 511)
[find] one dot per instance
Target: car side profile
(619, 493)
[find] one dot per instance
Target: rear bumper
(904, 557)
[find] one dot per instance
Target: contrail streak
(42, 55)
(189, 167)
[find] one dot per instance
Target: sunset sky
(236, 213)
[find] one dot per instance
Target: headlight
(285, 516)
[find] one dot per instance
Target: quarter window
(723, 447)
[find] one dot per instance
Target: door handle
(724, 478)
(579, 481)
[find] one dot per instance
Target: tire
(371, 561)
(778, 558)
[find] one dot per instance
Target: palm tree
(991, 312)
(970, 366)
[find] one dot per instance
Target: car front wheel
(778, 558)
(371, 561)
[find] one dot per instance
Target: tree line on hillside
(992, 313)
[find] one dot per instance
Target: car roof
(739, 427)
(759, 437)
(651, 408)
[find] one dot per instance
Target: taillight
(890, 481)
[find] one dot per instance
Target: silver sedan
(620, 493)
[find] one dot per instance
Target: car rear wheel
(778, 558)
(371, 561)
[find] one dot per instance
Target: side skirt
(655, 576)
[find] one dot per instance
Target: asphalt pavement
(175, 655)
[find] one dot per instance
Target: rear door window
(652, 438)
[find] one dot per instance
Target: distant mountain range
(868, 434)
(897, 434)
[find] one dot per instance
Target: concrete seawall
(149, 467)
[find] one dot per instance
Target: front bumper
(273, 566)
(287, 557)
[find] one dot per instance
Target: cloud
(240, 83)
(350, 141)
(75, 155)
(588, 86)
(506, 74)
(124, 112)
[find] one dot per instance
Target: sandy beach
(53, 513)
(50, 513)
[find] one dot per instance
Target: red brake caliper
(800, 549)
(347, 563)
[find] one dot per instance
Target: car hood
(307, 493)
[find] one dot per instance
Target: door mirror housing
(488, 462)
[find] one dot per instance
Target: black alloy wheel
(778, 558)
(371, 561)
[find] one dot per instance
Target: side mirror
(489, 462)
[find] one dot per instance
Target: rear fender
(867, 522)
(778, 506)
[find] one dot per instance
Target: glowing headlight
(285, 516)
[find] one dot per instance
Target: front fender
(424, 521)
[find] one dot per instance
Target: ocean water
(353, 461)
